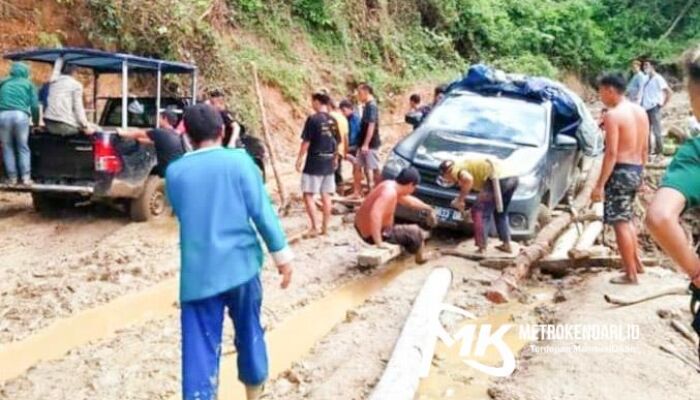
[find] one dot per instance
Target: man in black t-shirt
(169, 144)
(318, 173)
(368, 155)
(235, 133)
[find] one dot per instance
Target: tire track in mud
(142, 362)
(52, 267)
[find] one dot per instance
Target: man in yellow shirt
(342, 149)
(479, 175)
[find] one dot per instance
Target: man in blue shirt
(348, 110)
(221, 256)
(637, 82)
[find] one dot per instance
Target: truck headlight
(528, 186)
(394, 164)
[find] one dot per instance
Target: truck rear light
(106, 157)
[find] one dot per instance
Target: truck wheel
(152, 202)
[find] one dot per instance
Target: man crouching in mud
(374, 220)
(626, 148)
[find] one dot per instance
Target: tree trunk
(588, 237)
(678, 19)
(502, 287)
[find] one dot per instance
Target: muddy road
(329, 335)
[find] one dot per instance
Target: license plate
(448, 214)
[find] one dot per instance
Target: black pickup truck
(103, 167)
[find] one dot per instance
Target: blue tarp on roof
(485, 80)
(571, 117)
(101, 61)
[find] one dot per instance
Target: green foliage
(298, 45)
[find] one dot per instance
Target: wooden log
(669, 291)
(561, 266)
(589, 236)
(599, 251)
(374, 256)
(413, 353)
(565, 242)
(284, 202)
(501, 288)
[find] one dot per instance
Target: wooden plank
(374, 256)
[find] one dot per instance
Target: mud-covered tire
(152, 203)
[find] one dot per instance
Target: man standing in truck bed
(65, 112)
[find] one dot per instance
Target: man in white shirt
(65, 113)
(655, 95)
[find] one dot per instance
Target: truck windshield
(491, 118)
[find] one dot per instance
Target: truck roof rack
(102, 62)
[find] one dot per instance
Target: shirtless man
(626, 148)
(374, 220)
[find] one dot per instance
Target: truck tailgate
(61, 158)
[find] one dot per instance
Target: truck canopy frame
(103, 62)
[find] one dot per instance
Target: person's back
(169, 146)
(633, 132)
(201, 187)
(17, 93)
(64, 104)
(363, 220)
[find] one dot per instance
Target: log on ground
(414, 349)
(501, 288)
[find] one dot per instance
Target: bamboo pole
(284, 209)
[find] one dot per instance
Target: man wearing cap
(169, 144)
(221, 255)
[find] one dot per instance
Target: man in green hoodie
(18, 102)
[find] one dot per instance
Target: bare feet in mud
(311, 233)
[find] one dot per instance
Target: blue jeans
(202, 323)
(14, 136)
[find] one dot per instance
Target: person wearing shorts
(374, 221)
(367, 160)
(408, 236)
(626, 128)
(620, 193)
(319, 146)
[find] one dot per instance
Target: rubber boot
(254, 392)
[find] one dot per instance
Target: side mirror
(565, 142)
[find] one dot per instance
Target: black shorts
(410, 237)
(621, 191)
